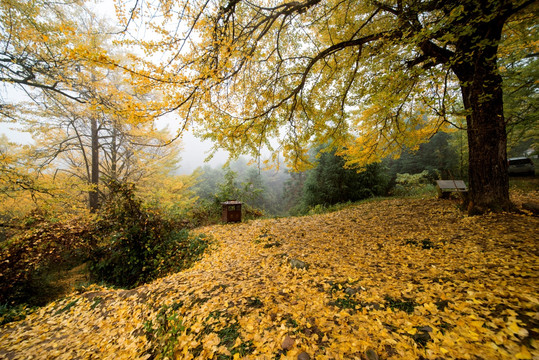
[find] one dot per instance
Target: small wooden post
(231, 211)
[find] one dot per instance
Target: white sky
(194, 151)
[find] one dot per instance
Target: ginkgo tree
(81, 104)
(14, 178)
(34, 51)
(99, 150)
(62, 49)
(374, 76)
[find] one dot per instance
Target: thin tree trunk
(93, 194)
(114, 154)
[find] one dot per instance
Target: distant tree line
(329, 182)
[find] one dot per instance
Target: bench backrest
(457, 185)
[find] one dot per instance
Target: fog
(194, 153)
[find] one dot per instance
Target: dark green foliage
(126, 246)
(205, 212)
(424, 244)
(290, 322)
(344, 293)
(259, 190)
(227, 335)
(14, 313)
(293, 188)
(406, 305)
(523, 147)
(218, 185)
(520, 93)
(346, 302)
(437, 156)
(137, 245)
(331, 183)
(209, 209)
(414, 185)
(208, 180)
(231, 189)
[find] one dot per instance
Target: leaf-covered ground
(396, 279)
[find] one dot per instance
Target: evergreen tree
(438, 157)
(331, 183)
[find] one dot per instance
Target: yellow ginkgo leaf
(523, 354)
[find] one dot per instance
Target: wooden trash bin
(231, 211)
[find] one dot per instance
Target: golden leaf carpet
(391, 279)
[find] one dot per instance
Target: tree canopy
(374, 76)
(86, 112)
(63, 50)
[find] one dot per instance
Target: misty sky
(192, 155)
(194, 151)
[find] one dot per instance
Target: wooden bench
(446, 187)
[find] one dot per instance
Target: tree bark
(487, 142)
(114, 154)
(481, 87)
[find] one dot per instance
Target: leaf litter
(395, 279)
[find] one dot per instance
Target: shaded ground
(404, 279)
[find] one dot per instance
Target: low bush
(124, 245)
(42, 246)
(205, 212)
(137, 245)
(414, 184)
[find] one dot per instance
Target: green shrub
(125, 245)
(205, 212)
(414, 184)
(138, 245)
(14, 313)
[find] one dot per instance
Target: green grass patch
(525, 184)
(424, 244)
(404, 304)
(67, 307)
(164, 332)
(11, 313)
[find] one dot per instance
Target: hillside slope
(404, 279)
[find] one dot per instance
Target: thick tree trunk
(481, 87)
(487, 141)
